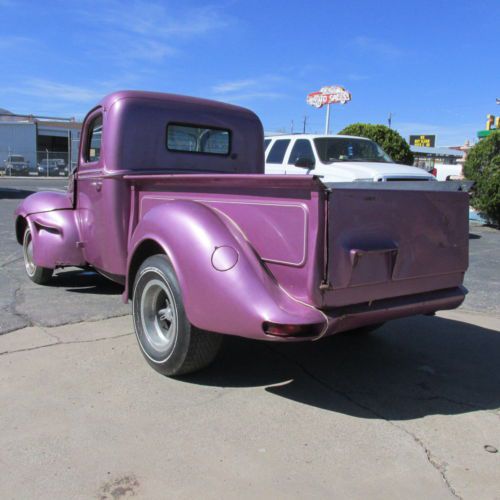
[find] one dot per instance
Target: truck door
(102, 202)
(89, 191)
(301, 159)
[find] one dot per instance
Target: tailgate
(394, 239)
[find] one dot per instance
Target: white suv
(336, 158)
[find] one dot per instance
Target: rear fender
(225, 286)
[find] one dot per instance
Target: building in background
(443, 162)
(430, 158)
(48, 145)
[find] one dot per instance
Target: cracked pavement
(405, 412)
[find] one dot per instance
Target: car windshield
(333, 149)
(17, 158)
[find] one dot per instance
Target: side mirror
(303, 162)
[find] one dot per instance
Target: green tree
(388, 139)
(483, 167)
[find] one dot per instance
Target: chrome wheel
(159, 318)
(28, 254)
(168, 341)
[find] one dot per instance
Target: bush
(483, 167)
(388, 139)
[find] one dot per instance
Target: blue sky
(434, 64)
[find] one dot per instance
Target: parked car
(16, 165)
(336, 158)
(52, 167)
(170, 202)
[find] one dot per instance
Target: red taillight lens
(284, 330)
(434, 172)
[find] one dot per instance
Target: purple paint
(247, 249)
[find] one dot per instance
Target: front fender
(225, 286)
(55, 239)
(54, 229)
(43, 201)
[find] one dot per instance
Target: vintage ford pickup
(169, 199)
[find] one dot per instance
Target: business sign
(492, 122)
(426, 141)
(334, 94)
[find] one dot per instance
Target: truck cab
(336, 158)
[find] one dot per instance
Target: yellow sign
(492, 122)
(425, 141)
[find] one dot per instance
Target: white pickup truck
(336, 158)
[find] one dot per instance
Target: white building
(38, 138)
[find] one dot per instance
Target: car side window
(94, 140)
(301, 149)
(266, 143)
(278, 151)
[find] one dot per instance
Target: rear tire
(37, 274)
(168, 341)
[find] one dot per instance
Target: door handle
(97, 185)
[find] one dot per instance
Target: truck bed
(345, 249)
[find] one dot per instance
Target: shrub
(388, 139)
(483, 167)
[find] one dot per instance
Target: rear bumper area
(351, 317)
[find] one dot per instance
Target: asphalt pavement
(75, 295)
(410, 411)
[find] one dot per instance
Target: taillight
(286, 330)
(434, 172)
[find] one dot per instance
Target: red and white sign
(334, 94)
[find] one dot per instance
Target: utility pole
(305, 123)
(389, 119)
(291, 127)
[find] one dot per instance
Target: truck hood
(351, 170)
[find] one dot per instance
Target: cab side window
(278, 151)
(302, 149)
(94, 140)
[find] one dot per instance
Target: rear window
(198, 139)
(278, 151)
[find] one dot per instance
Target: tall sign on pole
(334, 94)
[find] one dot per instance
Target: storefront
(430, 158)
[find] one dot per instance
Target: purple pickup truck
(169, 199)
